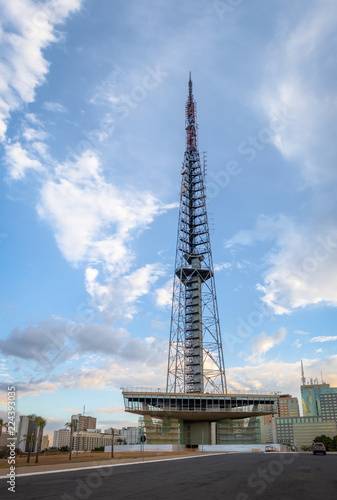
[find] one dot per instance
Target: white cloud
(222, 267)
(55, 107)
(265, 229)
(19, 162)
(301, 65)
(301, 332)
(297, 344)
(54, 342)
(112, 409)
(94, 221)
(302, 268)
(26, 29)
(118, 297)
(32, 134)
(323, 339)
(164, 294)
(42, 150)
(281, 376)
(263, 343)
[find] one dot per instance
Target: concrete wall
(147, 447)
(239, 448)
(195, 433)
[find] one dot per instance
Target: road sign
(143, 438)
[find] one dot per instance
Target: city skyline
(92, 125)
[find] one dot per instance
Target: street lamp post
(112, 442)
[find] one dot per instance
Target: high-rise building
(85, 422)
(131, 435)
(268, 429)
(288, 406)
(311, 392)
(328, 405)
(45, 442)
(26, 428)
(61, 438)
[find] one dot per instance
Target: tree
(334, 439)
(3, 424)
(40, 425)
(30, 438)
(5, 451)
(326, 440)
(70, 426)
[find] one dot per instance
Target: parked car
(269, 448)
(318, 448)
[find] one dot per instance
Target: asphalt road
(221, 477)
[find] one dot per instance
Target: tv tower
(196, 393)
(195, 360)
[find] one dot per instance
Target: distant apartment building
(45, 442)
(88, 440)
(61, 438)
(288, 406)
(85, 422)
(268, 429)
(301, 431)
(26, 428)
(130, 435)
(304, 433)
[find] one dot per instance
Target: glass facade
(328, 404)
(311, 398)
(198, 403)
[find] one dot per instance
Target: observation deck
(197, 406)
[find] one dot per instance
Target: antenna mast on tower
(302, 372)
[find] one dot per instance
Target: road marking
(111, 465)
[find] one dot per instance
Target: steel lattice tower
(195, 360)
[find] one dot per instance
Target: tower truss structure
(195, 360)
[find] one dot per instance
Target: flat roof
(199, 394)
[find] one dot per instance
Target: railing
(229, 393)
(138, 406)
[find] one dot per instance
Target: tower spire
(302, 373)
(195, 362)
(190, 119)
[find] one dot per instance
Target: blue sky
(92, 98)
